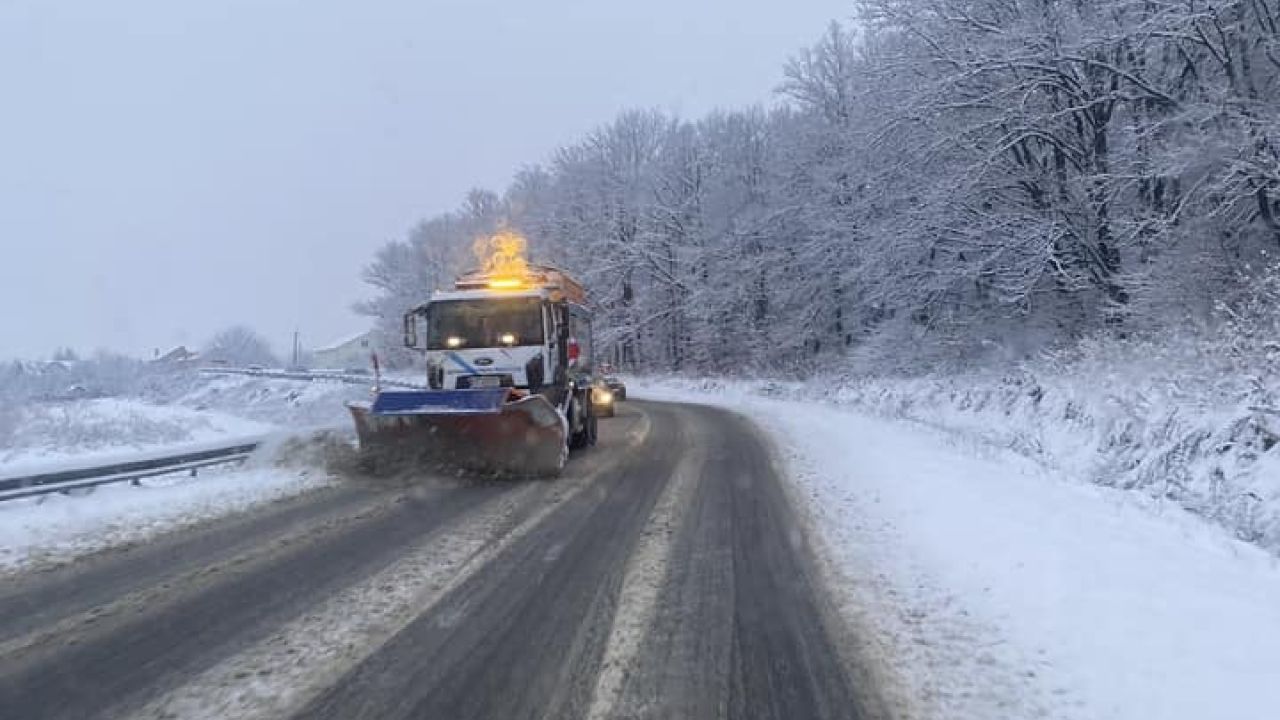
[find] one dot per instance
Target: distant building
(52, 367)
(352, 352)
(177, 357)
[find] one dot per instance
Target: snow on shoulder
(1000, 590)
(202, 413)
(52, 529)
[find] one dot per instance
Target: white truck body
(470, 367)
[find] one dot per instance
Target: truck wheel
(579, 427)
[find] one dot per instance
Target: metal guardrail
(343, 377)
(12, 488)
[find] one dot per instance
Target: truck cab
(531, 333)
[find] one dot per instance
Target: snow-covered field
(176, 411)
(56, 528)
(108, 429)
(996, 587)
(294, 404)
(182, 413)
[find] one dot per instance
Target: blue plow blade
(486, 401)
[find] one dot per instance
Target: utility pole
(296, 348)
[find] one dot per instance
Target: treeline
(955, 181)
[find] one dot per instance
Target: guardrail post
(132, 472)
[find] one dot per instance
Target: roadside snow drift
(57, 528)
(50, 434)
(998, 589)
(182, 414)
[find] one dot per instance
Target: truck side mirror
(410, 331)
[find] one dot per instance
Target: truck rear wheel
(579, 423)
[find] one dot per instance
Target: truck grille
(465, 381)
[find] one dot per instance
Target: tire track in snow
(146, 651)
(187, 575)
(287, 669)
(642, 585)
(523, 637)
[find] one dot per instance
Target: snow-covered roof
(363, 334)
(178, 354)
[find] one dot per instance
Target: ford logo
(484, 362)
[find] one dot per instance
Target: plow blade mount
(486, 430)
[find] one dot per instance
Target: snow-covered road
(972, 582)
(663, 575)
(992, 588)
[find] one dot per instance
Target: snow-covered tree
(957, 180)
(241, 346)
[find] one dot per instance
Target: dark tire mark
(738, 632)
(29, 602)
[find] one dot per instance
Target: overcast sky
(169, 168)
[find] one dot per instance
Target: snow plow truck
(509, 370)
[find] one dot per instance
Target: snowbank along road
(663, 576)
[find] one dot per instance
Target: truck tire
(579, 425)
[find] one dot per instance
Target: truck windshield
(484, 322)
